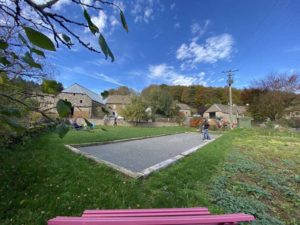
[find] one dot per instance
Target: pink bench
(176, 216)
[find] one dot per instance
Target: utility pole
(230, 82)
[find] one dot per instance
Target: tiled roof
(183, 106)
(225, 108)
(118, 99)
(78, 89)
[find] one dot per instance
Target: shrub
(196, 122)
(213, 127)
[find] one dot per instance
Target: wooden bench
(176, 216)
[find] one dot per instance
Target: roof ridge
(83, 90)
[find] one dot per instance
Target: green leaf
(3, 44)
(93, 28)
(103, 45)
(66, 38)
(111, 54)
(38, 52)
(297, 178)
(30, 61)
(3, 77)
(88, 123)
(4, 61)
(123, 20)
(64, 108)
(62, 129)
(8, 111)
(14, 55)
(39, 39)
(105, 49)
(23, 40)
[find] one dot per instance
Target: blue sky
(184, 43)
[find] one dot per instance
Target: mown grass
(43, 179)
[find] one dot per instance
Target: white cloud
(172, 6)
(58, 5)
(167, 74)
(82, 71)
(143, 10)
(101, 76)
(100, 20)
(159, 70)
(177, 25)
(214, 49)
(221, 79)
(198, 30)
(294, 49)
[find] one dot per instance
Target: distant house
(86, 103)
(184, 109)
(115, 103)
(222, 111)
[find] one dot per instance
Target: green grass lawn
(252, 171)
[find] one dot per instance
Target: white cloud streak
(198, 30)
(82, 71)
(143, 10)
(169, 75)
(173, 5)
(214, 49)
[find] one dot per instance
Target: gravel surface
(138, 155)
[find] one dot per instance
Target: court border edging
(144, 173)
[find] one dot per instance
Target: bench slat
(191, 220)
(148, 214)
(135, 211)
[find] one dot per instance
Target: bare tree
(269, 97)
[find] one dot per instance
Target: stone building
(115, 103)
(222, 111)
(184, 109)
(86, 103)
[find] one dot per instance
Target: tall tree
(52, 86)
(269, 97)
(136, 111)
(159, 99)
(122, 90)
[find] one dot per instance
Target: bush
(269, 124)
(213, 127)
(196, 122)
(294, 122)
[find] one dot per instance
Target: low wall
(110, 122)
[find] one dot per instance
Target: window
(212, 115)
(80, 101)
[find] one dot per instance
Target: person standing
(115, 121)
(205, 130)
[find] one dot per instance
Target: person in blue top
(205, 130)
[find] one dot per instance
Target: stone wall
(97, 111)
(185, 112)
(110, 122)
(116, 109)
(81, 102)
